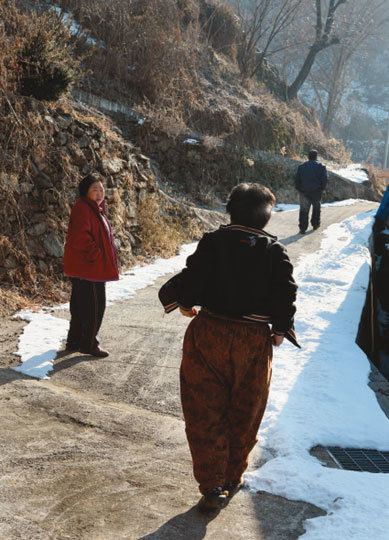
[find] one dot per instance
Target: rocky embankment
(37, 203)
(207, 166)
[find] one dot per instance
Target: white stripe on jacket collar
(251, 230)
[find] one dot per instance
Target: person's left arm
(324, 177)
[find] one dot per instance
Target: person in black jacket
(311, 180)
(242, 279)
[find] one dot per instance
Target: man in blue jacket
(310, 181)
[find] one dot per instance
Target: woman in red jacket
(89, 261)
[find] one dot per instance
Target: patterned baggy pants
(225, 379)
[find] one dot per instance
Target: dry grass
(149, 47)
(161, 229)
(221, 28)
(12, 298)
(379, 177)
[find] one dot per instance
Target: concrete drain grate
(356, 459)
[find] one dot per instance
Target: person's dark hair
(250, 204)
(312, 154)
(86, 183)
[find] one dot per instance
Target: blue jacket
(311, 176)
(383, 210)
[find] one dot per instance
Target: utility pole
(385, 163)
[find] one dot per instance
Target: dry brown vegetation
(145, 50)
(165, 227)
(36, 53)
(378, 177)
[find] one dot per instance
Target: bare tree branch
(323, 40)
(262, 22)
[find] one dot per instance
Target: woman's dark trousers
(87, 306)
(306, 200)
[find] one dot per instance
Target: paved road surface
(98, 452)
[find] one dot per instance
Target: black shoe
(301, 231)
(232, 487)
(315, 227)
(213, 499)
(95, 351)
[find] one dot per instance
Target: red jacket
(89, 250)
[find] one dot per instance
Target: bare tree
(262, 22)
(362, 22)
(324, 38)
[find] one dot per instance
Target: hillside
(195, 131)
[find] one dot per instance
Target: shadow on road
(67, 362)
(189, 525)
(294, 237)
(279, 518)
(8, 375)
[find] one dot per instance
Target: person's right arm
(297, 179)
(195, 275)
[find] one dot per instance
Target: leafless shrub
(221, 27)
(36, 53)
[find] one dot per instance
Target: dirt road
(98, 452)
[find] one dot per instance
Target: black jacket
(237, 272)
(311, 176)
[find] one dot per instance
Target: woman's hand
(192, 312)
(277, 340)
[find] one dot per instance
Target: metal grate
(356, 459)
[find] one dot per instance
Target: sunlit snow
(354, 172)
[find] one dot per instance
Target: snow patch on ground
(74, 27)
(289, 207)
(39, 343)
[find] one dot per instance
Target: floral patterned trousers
(225, 379)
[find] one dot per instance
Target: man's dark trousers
(307, 199)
